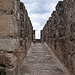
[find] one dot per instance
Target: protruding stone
(9, 44)
(8, 26)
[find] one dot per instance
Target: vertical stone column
(41, 36)
(33, 35)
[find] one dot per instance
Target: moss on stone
(2, 65)
(2, 72)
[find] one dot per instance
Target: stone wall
(15, 35)
(59, 33)
(33, 35)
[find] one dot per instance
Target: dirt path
(41, 61)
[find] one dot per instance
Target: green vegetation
(2, 71)
(3, 65)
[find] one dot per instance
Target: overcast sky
(39, 11)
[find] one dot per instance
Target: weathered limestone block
(10, 61)
(8, 26)
(6, 5)
(9, 6)
(9, 44)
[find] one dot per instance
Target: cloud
(39, 11)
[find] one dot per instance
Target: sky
(39, 12)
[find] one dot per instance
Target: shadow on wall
(37, 41)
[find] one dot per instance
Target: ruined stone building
(17, 34)
(59, 33)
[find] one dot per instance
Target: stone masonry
(33, 35)
(59, 33)
(15, 35)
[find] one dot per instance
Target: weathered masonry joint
(59, 33)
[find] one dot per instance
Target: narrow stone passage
(41, 61)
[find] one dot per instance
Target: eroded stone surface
(9, 44)
(8, 26)
(15, 35)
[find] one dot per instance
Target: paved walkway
(41, 61)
